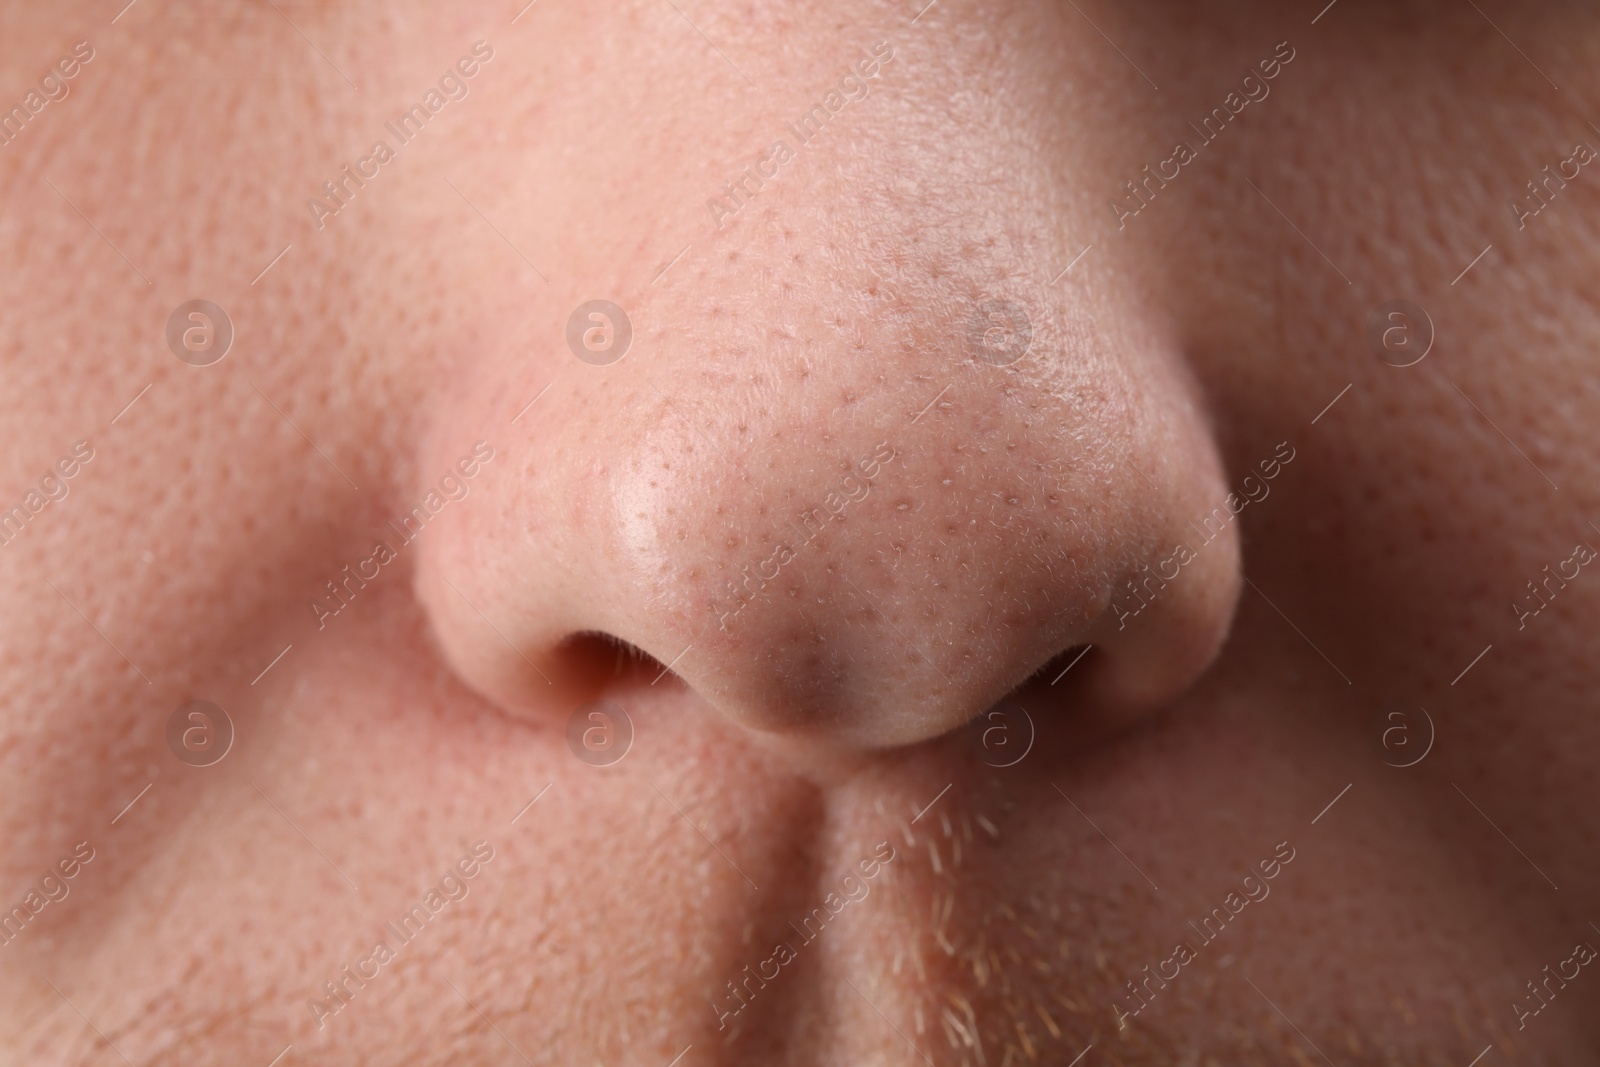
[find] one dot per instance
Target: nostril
(600, 658)
(1046, 711)
(1061, 693)
(1060, 686)
(1061, 673)
(1064, 702)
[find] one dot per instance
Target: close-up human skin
(688, 533)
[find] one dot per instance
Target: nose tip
(902, 583)
(875, 572)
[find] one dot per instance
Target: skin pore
(812, 337)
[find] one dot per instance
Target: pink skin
(816, 337)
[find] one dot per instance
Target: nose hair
(864, 557)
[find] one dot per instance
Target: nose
(852, 521)
(870, 459)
